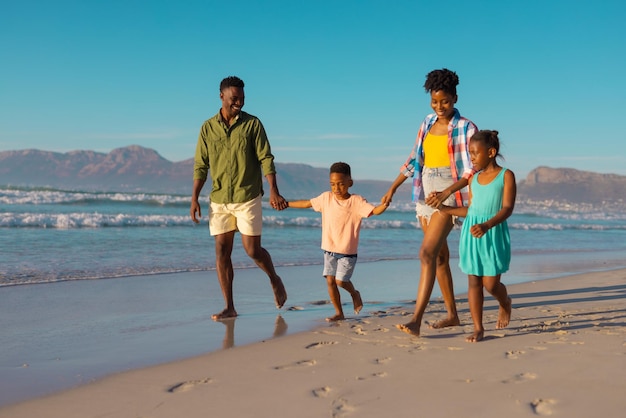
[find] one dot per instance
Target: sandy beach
(563, 354)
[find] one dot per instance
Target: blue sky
(330, 80)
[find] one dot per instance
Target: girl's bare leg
(498, 290)
(435, 234)
(475, 297)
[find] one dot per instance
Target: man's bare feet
(448, 322)
(358, 303)
(280, 294)
(476, 336)
(410, 328)
(335, 318)
(225, 314)
(504, 314)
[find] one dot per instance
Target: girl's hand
(479, 230)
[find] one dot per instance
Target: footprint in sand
(382, 360)
(381, 374)
(341, 408)
(188, 385)
(300, 363)
(320, 344)
(358, 330)
(542, 407)
(512, 355)
(521, 378)
(321, 392)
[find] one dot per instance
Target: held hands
(278, 202)
(435, 199)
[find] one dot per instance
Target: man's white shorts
(247, 217)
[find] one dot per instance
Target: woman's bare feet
(448, 322)
(335, 318)
(476, 336)
(504, 314)
(410, 328)
(225, 314)
(356, 300)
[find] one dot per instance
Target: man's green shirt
(238, 158)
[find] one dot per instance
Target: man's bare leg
(262, 258)
(225, 273)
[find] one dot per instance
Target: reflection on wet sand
(280, 328)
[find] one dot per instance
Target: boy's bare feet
(338, 317)
(476, 336)
(225, 314)
(410, 328)
(358, 303)
(504, 314)
(280, 294)
(448, 322)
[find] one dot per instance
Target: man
(234, 146)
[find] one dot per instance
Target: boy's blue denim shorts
(339, 265)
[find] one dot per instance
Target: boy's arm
(299, 204)
(380, 209)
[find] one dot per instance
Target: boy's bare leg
(435, 234)
(356, 296)
(225, 273)
(498, 290)
(262, 258)
(444, 279)
(335, 298)
(475, 297)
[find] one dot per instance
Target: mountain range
(139, 169)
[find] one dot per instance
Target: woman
(440, 166)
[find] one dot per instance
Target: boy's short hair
(341, 168)
(231, 81)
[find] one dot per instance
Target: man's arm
(195, 205)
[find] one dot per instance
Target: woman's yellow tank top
(436, 151)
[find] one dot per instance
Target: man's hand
(195, 210)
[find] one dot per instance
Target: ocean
(96, 283)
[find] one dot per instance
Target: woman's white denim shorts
(435, 180)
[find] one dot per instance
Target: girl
(485, 244)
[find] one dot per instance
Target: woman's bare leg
(435, 234)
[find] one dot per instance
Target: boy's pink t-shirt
(341, 221)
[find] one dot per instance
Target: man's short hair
(231, 81)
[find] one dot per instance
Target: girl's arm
(454, 211)
(299, 204)
(508, 204)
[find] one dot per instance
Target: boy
(342, 213)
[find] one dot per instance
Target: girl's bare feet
(410, 328)
(448, 322)
(476, 336)
(504, 314)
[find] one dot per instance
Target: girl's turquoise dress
(490, 254)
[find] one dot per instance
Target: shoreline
(563, 353)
